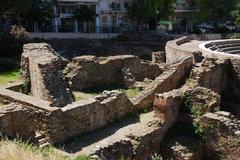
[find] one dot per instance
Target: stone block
(41, 69)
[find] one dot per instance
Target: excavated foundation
(112, 124)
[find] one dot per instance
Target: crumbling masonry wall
(90, 71)
(172, 78)
(16, 121)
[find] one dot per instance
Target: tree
(144, 11)
(41, 10)
(13, 6)
(215, 10)
(84, 13)
(236, 14)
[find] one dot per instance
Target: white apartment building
(110, 16)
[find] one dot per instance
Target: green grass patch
(92, 92)
(7, 77)
(131, 92)
(83, 157)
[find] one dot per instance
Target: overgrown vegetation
(195, 108)
(156, 157)
(202, 130)
(235, 36)
(131, 92)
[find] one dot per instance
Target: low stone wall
(89, 115)
(89, 71)
(170, 79)
(56, 125)
(16, 121)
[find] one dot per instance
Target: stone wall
(212, 74)
(58, 125)
(170, 79)
(16, 122)
(88, 115)
(41, 71)
(139, 140)
(222, 131)
(89, 71)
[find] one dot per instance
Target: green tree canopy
(145, 10)
(15, 6)
(41, 10)
(215, 10)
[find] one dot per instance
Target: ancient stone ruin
(191, 88)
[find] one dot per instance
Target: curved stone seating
(222, 47)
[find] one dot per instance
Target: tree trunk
(1, 22)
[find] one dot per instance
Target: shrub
(19, 33)
(11, 44)
(236, 36)
(156, 157)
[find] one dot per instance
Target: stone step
(230, 48)
(126, 137)
(222, 44)
(39, 136)
(42, 141)
(223, 47)
(226, 42)
(227, 45)
(44, 145)
(234, 51)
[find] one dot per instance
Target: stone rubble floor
(134, 126)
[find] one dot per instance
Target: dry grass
(14, 150)
(18, 150)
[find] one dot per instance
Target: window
(118, 6)
(115, 6)
(63, 10)
(104, 19)
(126, 5)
